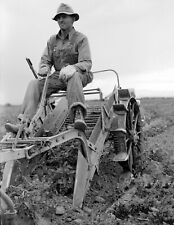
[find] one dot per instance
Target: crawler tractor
(115, 118)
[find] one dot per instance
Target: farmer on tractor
(69, 53)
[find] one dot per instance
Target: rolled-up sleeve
(84, 55)
(46, 58)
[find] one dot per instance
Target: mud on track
(46, 182)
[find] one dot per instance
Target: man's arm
(84, 58)
(46, 60)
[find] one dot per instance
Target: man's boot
(79, 122)
(13, 128)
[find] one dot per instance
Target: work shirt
(70, 50)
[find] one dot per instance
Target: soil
(42, 188)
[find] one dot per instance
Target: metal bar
(88, 93)
(11, 155)
(33, 140)
(64, 137)
(60, 94)
(107, 113)
(31, 67)
(6, 202)
(44, 92)
(99, 135)
(64, 94)
(92, 89)
(53, 141)
(110, 70)
(7, 174)
(81, 181)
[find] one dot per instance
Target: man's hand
(43, 71)
(67, 72)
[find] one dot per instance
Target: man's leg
(29, 105)
(31, 99)
(34, 92)
(33, 96)
(76, 100)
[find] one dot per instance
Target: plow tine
(7, 174)
(81, 181)
(6, 202)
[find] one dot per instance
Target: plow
(116, 118)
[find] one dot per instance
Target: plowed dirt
(42, 188)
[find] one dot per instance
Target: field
(43, 188)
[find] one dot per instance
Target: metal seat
(85, 91)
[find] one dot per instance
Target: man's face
(65, 21)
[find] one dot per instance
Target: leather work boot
(79, 122)
(12, 127)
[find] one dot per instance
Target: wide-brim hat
(66, 9)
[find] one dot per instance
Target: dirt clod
(60, 210)
(78, 221)
(99, 199)
(87, 210)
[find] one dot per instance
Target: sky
(133, 37)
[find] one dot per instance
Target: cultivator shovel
(116, 119)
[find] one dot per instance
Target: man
(68, 52)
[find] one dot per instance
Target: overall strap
(73, 38)
(53, 41)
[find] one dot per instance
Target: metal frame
(85, 92)
(110, 70)
(92, 148)
(42, 144)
